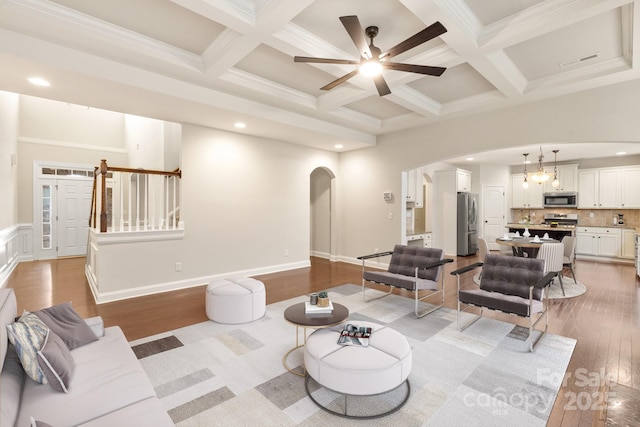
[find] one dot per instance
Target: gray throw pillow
(27, 335)
(63, 320)
(56, 362)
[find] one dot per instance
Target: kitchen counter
(541, 226)
(621, 227)
(567, 227)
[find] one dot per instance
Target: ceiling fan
(373, 60)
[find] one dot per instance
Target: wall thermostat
(387, 196)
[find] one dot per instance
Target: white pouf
(382, 366)
(235, 300)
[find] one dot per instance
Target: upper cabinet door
(567, 177)
(598, 189)
(608, 189)
(530, 198)
(629, 194)
(463, 181)
(588, 189)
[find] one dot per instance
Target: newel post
(103, 204)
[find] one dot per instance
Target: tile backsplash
(600, 218)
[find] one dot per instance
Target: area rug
(571, 287)
(211, 374)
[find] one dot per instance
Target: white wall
(172, 146)
(144, 140)
(10, 238)
(8, 150)
(246, 200)
(70, 123)
(321, 213)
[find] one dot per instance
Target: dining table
(524, 245)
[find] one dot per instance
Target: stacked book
(355, 335)
(316, 309)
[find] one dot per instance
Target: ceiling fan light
(371, 68)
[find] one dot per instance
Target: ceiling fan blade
(356, 32)
(420, 69)
(432, 31)
(341, 80)
(381, 85)
(324, 60)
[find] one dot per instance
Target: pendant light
(525, 183)
(555, 183)
(540, 176)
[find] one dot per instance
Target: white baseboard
(319, 254)
(105, 297)
(369, 263)
(605, 259)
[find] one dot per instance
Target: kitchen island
(555, 225)
(555, 231)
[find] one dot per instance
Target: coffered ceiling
(214, 62)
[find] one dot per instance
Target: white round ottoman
(235, 300)
(383, 366)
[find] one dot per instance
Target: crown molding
(92, 28)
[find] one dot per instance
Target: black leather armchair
(514, 285)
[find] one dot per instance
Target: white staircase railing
(135, 199)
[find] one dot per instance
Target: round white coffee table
(355, 371)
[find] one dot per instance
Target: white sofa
(108, 388)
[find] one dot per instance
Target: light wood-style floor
(605, 321)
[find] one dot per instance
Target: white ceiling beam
(88, 27)
(248, 33)
(541, 19)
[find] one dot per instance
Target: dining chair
(483, 248)
(553, 255)
(569, 243)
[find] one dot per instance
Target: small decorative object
(323, 299)
(313, 298)
(526, 232)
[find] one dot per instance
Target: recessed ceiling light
(621, 153)
(38, 81)
(469, 159)
(240, 125)
(338, 146)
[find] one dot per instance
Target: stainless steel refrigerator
(467, 224)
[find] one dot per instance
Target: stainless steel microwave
(560, 200)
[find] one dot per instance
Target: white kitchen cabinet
(416, 240)
(629, 194)
(428, 240)
(627, 249)
(415, 193)
(598, 189)
(567, 177)
(529, 198)
(463, 179)
(598, 241)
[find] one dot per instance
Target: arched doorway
(321, 208)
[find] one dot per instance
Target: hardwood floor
(605, 321)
